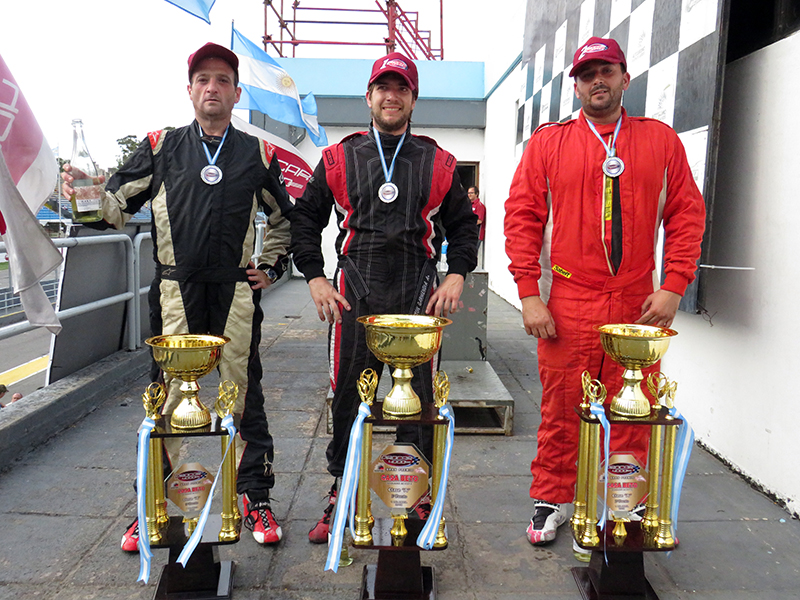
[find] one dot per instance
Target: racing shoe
(637, 514)
(547, 517)
(130, 539)
(319, 533)
(423, 509)
(259, 519)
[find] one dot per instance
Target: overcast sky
(121, 66)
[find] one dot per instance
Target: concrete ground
(65, 503)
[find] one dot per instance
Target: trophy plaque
(188, 358)
(620, 483)
(188, 488)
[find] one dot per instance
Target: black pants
(373, 288)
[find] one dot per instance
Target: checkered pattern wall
(673, 52)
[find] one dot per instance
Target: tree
(127, 144)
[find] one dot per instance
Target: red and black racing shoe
(319, 533)
(259, 519)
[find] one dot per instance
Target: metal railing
(132, 297)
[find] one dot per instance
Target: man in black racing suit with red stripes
(388, 244)
(204, 237)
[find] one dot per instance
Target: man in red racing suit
(588, 241)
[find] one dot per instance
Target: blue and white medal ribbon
(346, 498)
(211, 173)
(684, 442)
(388, 192)
(599, 412)
(427, 536)
(612, 165)
(145, 554)
(197, 534)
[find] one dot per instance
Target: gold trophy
(188, 357)
(399, 476)
(403, 342)
(616, 567)
(635, 347)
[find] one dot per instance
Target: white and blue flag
(198, 8)
(268, 88)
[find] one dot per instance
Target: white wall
(496, 173)
(737, 378)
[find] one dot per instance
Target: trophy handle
(228, 393)
(593, 390)
(153, 399)
(441, 389)
(367, 384)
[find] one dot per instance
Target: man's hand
(537, 318)
(659, 308)
(445, 299)
(66, 189)
(258, 278)
(327, 300)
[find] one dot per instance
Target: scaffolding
(403, 32)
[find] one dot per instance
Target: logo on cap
(396, 63)
(591, 49)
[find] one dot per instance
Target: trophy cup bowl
(188, 357)
(635, 347)
(403, 342)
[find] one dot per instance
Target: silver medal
(211, 174)
(613, 166)
(388, 192)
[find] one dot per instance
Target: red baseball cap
(216, 51)
(395, 63)
(598, 49)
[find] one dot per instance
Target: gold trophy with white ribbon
(616, 566)
(399, 475)
(189, 357)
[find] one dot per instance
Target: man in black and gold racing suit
(206, 182)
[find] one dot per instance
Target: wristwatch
(272, 275)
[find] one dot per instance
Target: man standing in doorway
(581, 226)
(480, 211)
(206, 182)
(396, 197)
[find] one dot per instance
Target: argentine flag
(198, 8)
(267, 88)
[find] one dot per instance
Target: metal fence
(132, 297)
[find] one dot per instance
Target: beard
(394, 126)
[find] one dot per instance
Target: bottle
(87, 184)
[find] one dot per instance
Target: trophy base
(622, 577)
(393, 578)
(205, 577)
